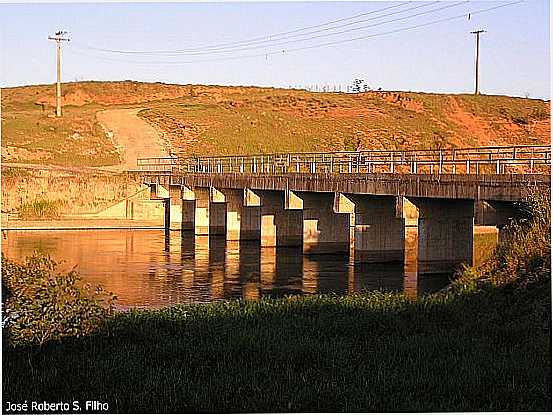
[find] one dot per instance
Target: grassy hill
(199, 119)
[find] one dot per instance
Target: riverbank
(79, 224)
(487, 350)
(482, 345)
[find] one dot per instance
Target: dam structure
(328, 202)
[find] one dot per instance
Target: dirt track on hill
(133, 136)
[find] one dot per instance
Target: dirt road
(133, 136)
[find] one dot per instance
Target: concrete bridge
(327, 201)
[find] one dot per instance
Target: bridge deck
(499, 187)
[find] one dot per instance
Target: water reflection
(150, 268)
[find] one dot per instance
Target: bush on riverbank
(40, 209)
(41, 304)
(524, 257)
(483, 345)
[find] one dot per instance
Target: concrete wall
(76, 192)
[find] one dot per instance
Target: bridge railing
(477, 160)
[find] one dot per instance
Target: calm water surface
(148, 268)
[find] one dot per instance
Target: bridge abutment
(495, 213)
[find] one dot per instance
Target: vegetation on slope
(260, 121)
(482, 345)
(224, 120)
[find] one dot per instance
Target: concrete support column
(445, 234)
(279, 226)
(201, 211)
(243, 216)
(324, 231)
(379, 228)
(188, 209)
(217, 213)
(175, 207)
(204, 211)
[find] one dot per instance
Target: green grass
(76, 139)
(487, 351)
(484, 344)
(230, 120)
(287, 120)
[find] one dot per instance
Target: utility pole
(58, 38)
(477, 33)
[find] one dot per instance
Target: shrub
(40, 209)
(41, 304)
(523, 257)
(540, 114)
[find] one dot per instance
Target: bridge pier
(379, 227)
(175, 207)
(324, 231)
(188, 209)
(445, 234)
(203, 211)
(217, 213)
(279, 226)
(243, 216)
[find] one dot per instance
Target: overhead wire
(287, 42)
(321, 45)
(269, 37)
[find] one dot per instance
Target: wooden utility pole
(477, 33)
(58, 38)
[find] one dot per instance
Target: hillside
(222, 120)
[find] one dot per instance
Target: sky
(282, 44)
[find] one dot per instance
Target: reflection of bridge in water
(325, 203)
(153, 268)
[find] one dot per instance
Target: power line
(269, 37)
(321, 45)
(241, 49)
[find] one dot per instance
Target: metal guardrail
(477, 160)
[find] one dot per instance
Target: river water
(152, 269)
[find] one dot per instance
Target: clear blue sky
(515, 55)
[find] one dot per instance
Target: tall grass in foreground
(524, 257)
(482, 345)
